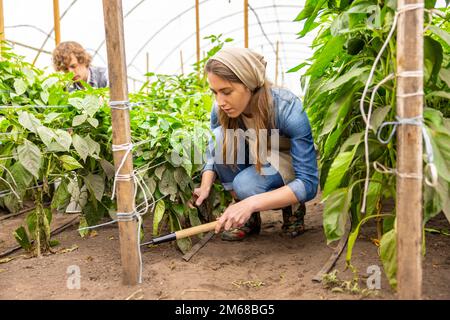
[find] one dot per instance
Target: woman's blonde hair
(260, 103)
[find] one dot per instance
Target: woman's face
(232, 97)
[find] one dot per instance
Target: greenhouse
(225, 150)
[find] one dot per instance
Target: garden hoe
(183, 233)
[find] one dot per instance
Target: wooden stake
(246, 23)
(117, 67)
(409, 154)
(57, 23)
(197, 30)
(181, 61)
(276, 65)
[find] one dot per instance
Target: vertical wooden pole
(197, 30)
(276, 64)
(117, 67)
(147, 64)
(57, 23)
(181, 61)
(246, 23)
(2, 26)
(409, 154)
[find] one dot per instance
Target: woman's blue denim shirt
(292, 122)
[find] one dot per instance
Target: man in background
(70, 56)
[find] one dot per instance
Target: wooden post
(276, 65)
(57, 23)
(117, 67)
(197, 30)
(246, 23)
(409, 154)
(181, 61)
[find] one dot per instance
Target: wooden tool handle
(196, 230)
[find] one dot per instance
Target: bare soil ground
(267, 266)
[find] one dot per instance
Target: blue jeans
(245, 181)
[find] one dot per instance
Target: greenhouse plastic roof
(162, 29)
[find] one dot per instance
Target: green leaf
(331, 50)
(30, 157)
(44, 96)
(373, 192)
(159, 171)
(62, 196)
(183, 244)
(441, 94)
(91, 104)
(181, 178)
(194, 220)
(93, 212)
(337, 111)
(388, 254)
(433, 58)
(444, 74)
(69, 163)
(49, 118)
(46, 134)
(108, 168)
(93, 122)
(168, 185)
(93, 146)
(62, 142)
(310, 15)
(346, 77)
(22, 177)
(331, 143)
(335, 214)
(158, 215)
(441, 33)
(378, 117)
(77, 103)
(31, 221)
(352, 141)
(96, 185)
(83, 224)
(337, 171)
(79, 119)
(20, 86)
(21, 237)
(297, 68)
(29, 121)
(80, 146)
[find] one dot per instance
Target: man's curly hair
(61, 55)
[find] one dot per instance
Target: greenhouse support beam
(276, 63)
(409, 152)
(246, 23)
(57, 22)
(181, 62)
(197, 30)
(121, 134)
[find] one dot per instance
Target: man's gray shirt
(98, 78)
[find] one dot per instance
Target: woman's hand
(235, 216)
(198, 196)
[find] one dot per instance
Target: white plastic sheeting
(163, 29)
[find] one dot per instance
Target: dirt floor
(267, 266)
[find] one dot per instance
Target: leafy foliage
(62, 153)
(349, 37)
